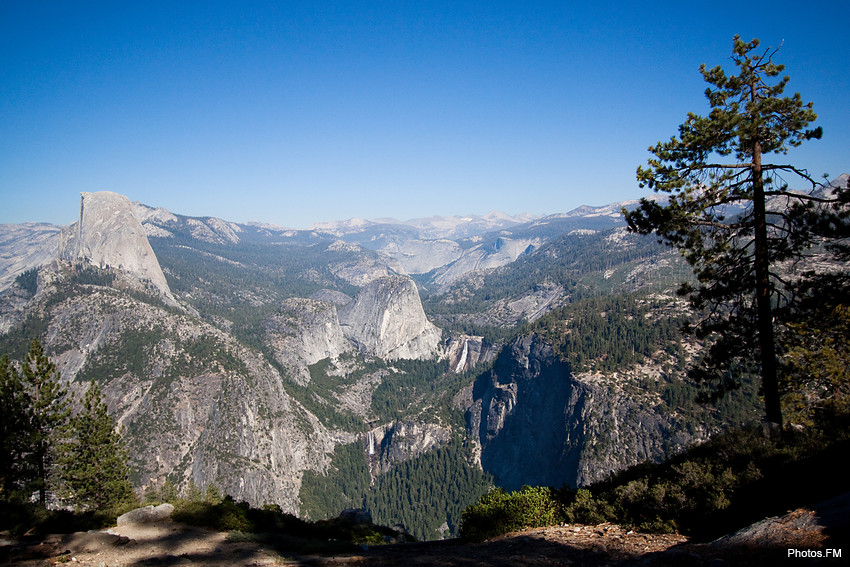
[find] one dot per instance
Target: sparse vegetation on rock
(715, 488)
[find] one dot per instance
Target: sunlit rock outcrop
(108, 234)
(387, 320)
(304, 331)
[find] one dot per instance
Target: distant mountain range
(402, 366)
(414, 247)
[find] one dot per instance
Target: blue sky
(298, 112)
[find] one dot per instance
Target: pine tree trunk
(764, 323)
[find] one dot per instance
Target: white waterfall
(461, 364)
(371, 437)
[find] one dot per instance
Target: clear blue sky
(297, 112)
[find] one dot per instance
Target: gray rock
(303, 332)
(421, 256)
(400, 441)
(108, 234)
(25, 246)
(146, 515)
(222, 416)
(503, 252)
(387, 320)
(536, 423)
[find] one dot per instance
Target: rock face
(464, 352)
(303, 332)
(420, 256)
(192, 401)
(25, 246)
(503, 251)
(538, 424)
(387, 320)
(521, 418)
(108, 234)
(391, 444)
(355, 267)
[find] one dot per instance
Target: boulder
(146, 515)
(356, 516)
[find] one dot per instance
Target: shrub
(499, 512)
(581, 507)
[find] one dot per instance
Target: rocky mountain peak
(387, 320)
(109, 234)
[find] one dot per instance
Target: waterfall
(371, 437)
(462, 362)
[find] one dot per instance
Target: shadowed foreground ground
(823, 530)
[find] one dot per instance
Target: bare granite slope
(387, 320)
(108, 234)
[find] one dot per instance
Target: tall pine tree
(93, 465)
(14, 425)
(735, 220)
(47, 414)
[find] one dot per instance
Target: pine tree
(47, 415)
(94, 470)
(213, 494)
(737, 222)
(14, 424)
(816, 380)
(193, 492)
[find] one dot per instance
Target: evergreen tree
(737, 223)
(94, 468)
(168, 492)
(213, 494)
(816, 379)
(193, 492)
(14, 424)
(47, 416)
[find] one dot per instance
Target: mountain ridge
(299, 362)
(406, 244)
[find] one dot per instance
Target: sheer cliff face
(390, 444)
(303, 332)
(538, 424)
(387, 320)
(522, 416)
(108, 233)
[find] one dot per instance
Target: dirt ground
(168, 543)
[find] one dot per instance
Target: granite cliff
(108, 234)
(304, 331)
(537, 423)
(387, 320)
(194, 403)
